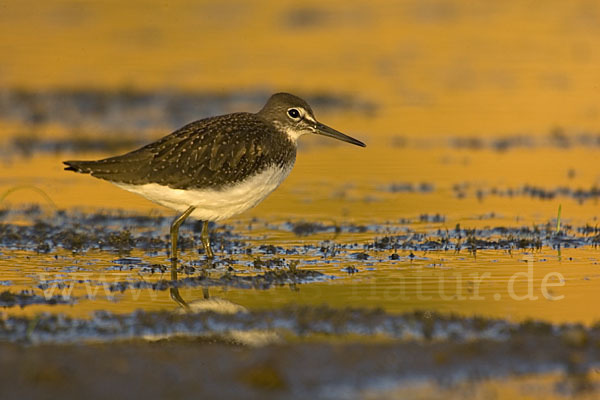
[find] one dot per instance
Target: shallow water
(438, 231)
(481, 121)
(379, 239)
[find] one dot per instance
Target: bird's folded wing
(209, 153)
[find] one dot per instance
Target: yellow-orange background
(432, 66)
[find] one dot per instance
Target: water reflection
(206, 303)
(174, 291)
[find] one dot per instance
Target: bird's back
(210, 153)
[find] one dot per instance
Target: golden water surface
(434, 70)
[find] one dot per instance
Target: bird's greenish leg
(206, 241)
(174, 234)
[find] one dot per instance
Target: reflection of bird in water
(207, 303)
(250, 337)
(216, 167)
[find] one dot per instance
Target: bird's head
(292, 115)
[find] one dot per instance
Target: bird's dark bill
(327, 131)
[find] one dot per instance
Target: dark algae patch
(490, 238)
(264, 280)
(122, 233)
(111, 231)
(27, 298)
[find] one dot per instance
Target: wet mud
(232, 352)
(47, 231)
(291, 322)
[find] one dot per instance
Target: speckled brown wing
(210, 153)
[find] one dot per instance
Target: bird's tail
(82, 167)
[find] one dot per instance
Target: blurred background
(432, 67)
(84, 79)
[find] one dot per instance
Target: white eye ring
(294, 114)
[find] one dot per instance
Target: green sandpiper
(216, 167)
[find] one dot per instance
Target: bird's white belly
(211, 204)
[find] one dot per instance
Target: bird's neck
(291, 134)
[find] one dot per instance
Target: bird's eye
(293, 113)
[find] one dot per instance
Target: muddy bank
(297, 321)
(213, 369)
(218, 359)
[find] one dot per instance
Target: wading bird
(216, 167)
